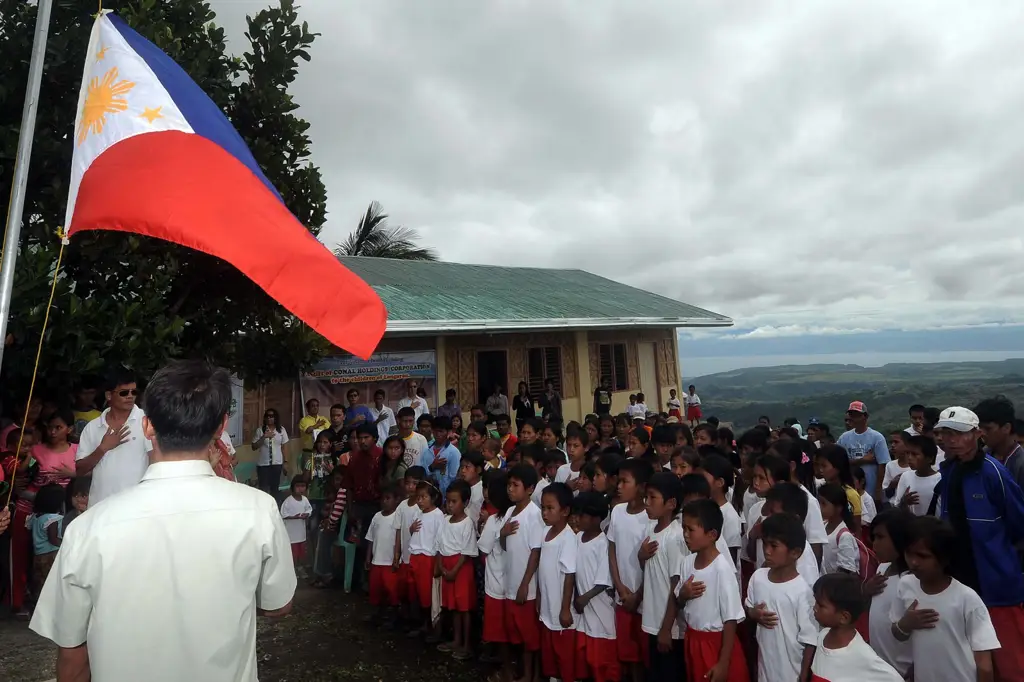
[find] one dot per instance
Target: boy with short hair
(720, 476)
(494, 458)
(521, 537)
(576, 448)
(660, 555)
(405, 515)
(415, 443)
(780, 602)
(425, 427)
(593, 603)
(917, 486)
(556, 578)
(471, 469)
(509, 440)
(381, 560)
(663, 440)
(782, 498)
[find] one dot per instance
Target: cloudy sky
(811, 167)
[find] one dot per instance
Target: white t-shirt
(627, 532)
(721, 600)
(868, 510)
(270, 451)
(946, 652)
(924, 486)
(457, 538)
(894, 652)
(691, 399)
(415, 445)
(538, 491)
(892, 470)
(751, 517)
(566, 474)
(598, 617)
(296, 527)
(476, 502)
(419, 405)
(637, 411)
(674, 404)
(385, 425)
(122, 467)
(806, 565)
(856, 661)
(382, 534)
(814, 525)
(750, 498)
(494, 566)
(404, 516)
(557, 560)
(658, 573)
(781, 649)
(518, 546)
(424, 541)
(732, 530)
(840, 552)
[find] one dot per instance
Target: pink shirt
(50, 462)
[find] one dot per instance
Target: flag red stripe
(186, 189)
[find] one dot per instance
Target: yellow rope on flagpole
(35, 369)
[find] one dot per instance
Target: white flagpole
(17, 205)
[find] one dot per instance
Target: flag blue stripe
(199, 110)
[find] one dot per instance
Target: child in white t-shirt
(456, 548)
(917, 487)
(720, 476)
(841, 653)
(471, 469)
(790, 498)
(889, 535)
(596, 620)
(842, 552)
(709, 599)
(295, 510)
(949, 628)
(489, 546)
(381, 560)
(868, 509)
(660, 555)
(782, 604)
(407, 513)
(897, 466)
(423, 536)
(556, 579)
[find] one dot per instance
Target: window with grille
(543, 364)
(613, 365)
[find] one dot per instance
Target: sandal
(460, 655)
(446, 647)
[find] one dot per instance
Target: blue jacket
(995, 514)
(445, 476)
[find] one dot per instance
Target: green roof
(423, 296)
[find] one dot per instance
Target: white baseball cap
(958, 419)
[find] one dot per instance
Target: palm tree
(374, 238)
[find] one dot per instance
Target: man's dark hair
(561, 492)
(844, 591)
(367, 430)
(406, 412)
(186, 402)
(786, 528)
(926, 446)
(424, 418)
(915, 408)
(119, 376)
(998, 411)
(591, 504)
(443, 423)
(460, 488)
(931, 416)
(525, 474)
(694, 484)
(666, 483)
(474, 458)
(640, 469)
(707, 512)
(663, 434)
(790, 496)
(337, 406)
(756, 439)
(719, 467)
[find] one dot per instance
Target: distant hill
(824, 391)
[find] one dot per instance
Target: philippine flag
(155, 156)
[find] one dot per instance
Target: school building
(485, 325)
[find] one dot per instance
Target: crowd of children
(637, 549)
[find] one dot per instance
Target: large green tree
(134, 300)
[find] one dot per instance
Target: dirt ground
(323, 640)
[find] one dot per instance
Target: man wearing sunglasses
(113, 448)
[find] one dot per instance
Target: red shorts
(600, 659)
(405, 585)
(421, 579)
(1008, 622)
(630, 638)
(383, 586)
(693, 413)
(521, 624)
(298, 551)
(494, 620)
(558, 654)
(460, 594)
(702, 650)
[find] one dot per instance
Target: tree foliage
(374, 238)
(134, 300)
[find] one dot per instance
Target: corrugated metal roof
(423, 296)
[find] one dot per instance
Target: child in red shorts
(381, 560)
(521, 536)
(454, 565)
(406, 514)
(422, 553)
(595, 639)
(295, 510)
(556, 575)
(493, 556)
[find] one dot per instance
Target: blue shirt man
(356, 414)
(866, 447)
(442, 459)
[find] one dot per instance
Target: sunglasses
(127, 392)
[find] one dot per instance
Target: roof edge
(435, 326)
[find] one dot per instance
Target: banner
(332, 378)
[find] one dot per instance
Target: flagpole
(20, 182)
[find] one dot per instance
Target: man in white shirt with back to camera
(112, 448)
(164, 580)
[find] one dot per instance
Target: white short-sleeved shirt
(751, 517)
(458, 538)
(892, 470)
(415, 445)
(592, 569)
(382, 534)
(270, 452)
(419, 405)
(538, 491)
(424, 541)
(121, 467)
(750, 498)
(518, 546)
(806, 565)
(627, 532)
(841, 552)
(721, 600)
(296, 527)
(566, 474)
(732, 528)
(946, 652)
(658, 573)
(692, 399)
(218, 550)
(814, 525)
(557, 560)
(386, 424)
(476, 502)
(924, 486)
(856, 660)
(494, 567)
(868, 510)
(894, 652)
(404, 516)
(781, 649)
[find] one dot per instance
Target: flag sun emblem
(102, 97)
